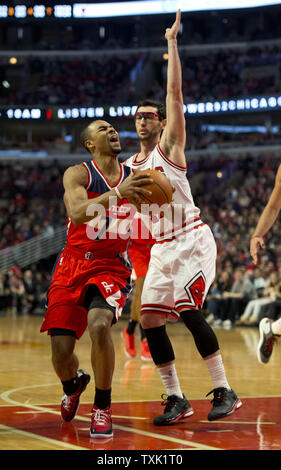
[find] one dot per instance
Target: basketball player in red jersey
(90, 280)
(183, 259)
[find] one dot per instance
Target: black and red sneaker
(101, 423)
(225, 402)
(176, 409)
(70, 403)
(266, 341)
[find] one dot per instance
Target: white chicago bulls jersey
(183, 260)
(172, 226)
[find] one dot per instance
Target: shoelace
(168, 401)
(66, 402)
(218, 395)
(101, 417)
(67, 398)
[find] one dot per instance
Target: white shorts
(180, 273)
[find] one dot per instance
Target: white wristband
(118, 193)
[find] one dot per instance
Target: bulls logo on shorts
(195, 290)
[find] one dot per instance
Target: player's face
(105, 138)
(148, 123)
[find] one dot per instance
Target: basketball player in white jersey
(183, 259)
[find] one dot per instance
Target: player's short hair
(84, 136)
(161, 109)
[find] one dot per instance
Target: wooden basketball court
(30, 395)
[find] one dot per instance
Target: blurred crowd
(243, 293)
(199, 138)
(225, 74)
(143, 30)
(118, 80)
(245, 296)
(231, 205)
(31, 202)
(23, 291)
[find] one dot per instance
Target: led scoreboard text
(35, 11)
(243, 105)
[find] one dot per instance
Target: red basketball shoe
(145, 353)
(101, 423)
(70, 403)
(130, 347)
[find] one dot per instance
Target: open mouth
(114, 138)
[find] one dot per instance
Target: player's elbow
(76, 220)
(76, 216)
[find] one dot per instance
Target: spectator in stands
(253, 310)
(5, 294)
(17, 290)
(234, 301)
(222, 284)
(30, 299)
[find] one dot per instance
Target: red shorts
(72, 275)
(139, 256)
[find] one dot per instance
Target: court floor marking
(193, 445)
(239, 422)
(30, 435)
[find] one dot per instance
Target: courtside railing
(33, 250)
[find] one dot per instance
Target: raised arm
(174, 135)
(267, 218)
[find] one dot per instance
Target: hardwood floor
(30, 394)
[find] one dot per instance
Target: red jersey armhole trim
(89, 175)
(162, 154)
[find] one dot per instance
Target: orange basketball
(161, 189)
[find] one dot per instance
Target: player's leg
(139, 254)
(157, 303)
(102, 348)
(225, 401)
(66, 365)
(64, 360)
(103, 361)
(100, 318)
(129, 331)
(193, 277)
(177, 406)
(144, 348)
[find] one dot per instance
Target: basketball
(161, 189)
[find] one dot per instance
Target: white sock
(217, 372)
(276, 327)
(170, 380)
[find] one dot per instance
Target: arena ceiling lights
(99, 10)
(103, 10)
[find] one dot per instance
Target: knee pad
(160, 346)
(204, 337)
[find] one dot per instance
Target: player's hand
(171, 33)
(256, 244)
(133, 186)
